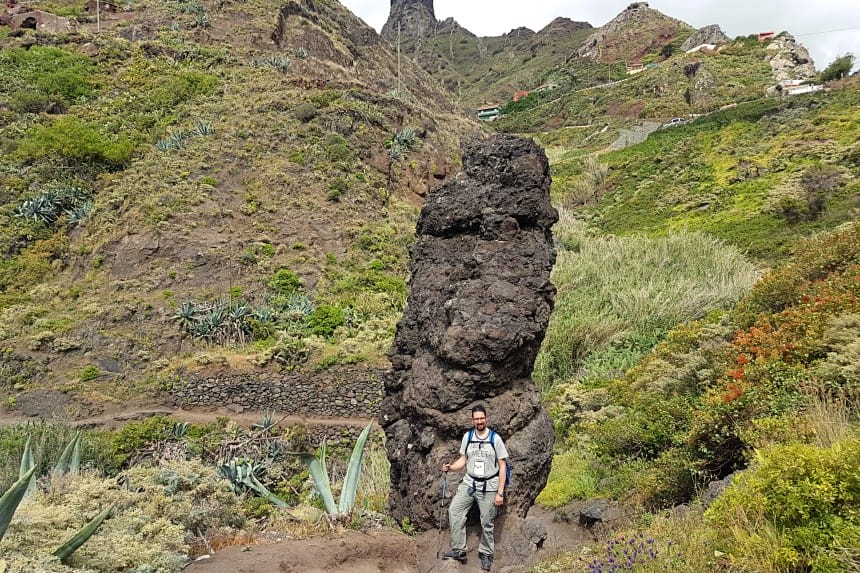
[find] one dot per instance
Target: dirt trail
(384, 550)
(115, 416)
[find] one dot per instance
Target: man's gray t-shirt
(481, 460)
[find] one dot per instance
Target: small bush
(305, 112)
(74, 139)
(286, 282)
(325, 319)
(88, 373)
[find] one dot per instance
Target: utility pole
(98, 18)
(398, 59)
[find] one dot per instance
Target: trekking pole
(441, 508)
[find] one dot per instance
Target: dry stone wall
(347, 393)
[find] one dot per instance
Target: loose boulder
(479, 304)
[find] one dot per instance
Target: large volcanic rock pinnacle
(479, 303)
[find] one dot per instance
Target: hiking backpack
(492, 441)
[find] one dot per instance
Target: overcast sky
(828, 28)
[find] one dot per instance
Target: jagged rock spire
(402, 4)
(415, 17)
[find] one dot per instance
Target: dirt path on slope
(387, 550)
(59, 407)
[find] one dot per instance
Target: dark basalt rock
(479, 304)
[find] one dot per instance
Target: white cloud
(828, 28)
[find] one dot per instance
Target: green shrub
(88, 373)
(807, 494)
(305, 112)
(571, 477)
(74, 139)
(286, 282)
(325, 319)
(170, 91)
(814, 259)
(47, 71)
(137, 434)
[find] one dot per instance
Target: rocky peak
(479, 304)
(563, 26)
(712, 34)
(638, 30)
(416, 19)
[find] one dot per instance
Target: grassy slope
(694, 176)
(271, 187)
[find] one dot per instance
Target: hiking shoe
(456, 554)
(486, 561)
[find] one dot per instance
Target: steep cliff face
(415, 18)
(479, 305)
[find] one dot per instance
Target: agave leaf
(66, 459)
(320, 477)
(323, 463)
(75, 461)
(27, 462)
(81, 537)
(10, 500)
(353, 472)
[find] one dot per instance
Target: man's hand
(446, 468)
(500, 499)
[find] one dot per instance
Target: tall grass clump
(630, 291)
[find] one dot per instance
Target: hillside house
(762, 36)
(702, 48)
(520, 94)
(793, 87)
(489, 112)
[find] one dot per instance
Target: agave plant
(187, 316)
(203, 128)
(319, 473)
(406, 137)
(77, 213)
(242, 477)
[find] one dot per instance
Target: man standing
(483, 454)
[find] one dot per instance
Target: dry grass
(833, 417)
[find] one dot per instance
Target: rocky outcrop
(708, 35)
(415, 19)
(789, 59)
(479, 303)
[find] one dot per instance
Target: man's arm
(459, 464)
(500, 494)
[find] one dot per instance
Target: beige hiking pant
(459, 509)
